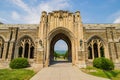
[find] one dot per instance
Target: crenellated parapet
(100, 26)
(20, 26)
(60, 18)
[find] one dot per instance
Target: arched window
(102, 51)
(89, 52)
(20, 51)
(26, 50)
(95, 48)
(1, 46)
(32, 52)
(26, 47)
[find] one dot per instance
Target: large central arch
(54, 36)
(54, 40)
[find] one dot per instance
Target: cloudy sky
(29, 11)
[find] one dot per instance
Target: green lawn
(113, 75)
(16, 74)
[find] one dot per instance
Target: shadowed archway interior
(52, 44)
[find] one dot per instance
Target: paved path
(63, 71)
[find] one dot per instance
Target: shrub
(107, 64)
(97, 62)
(103, 63)
(19, 63)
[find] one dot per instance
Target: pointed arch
(61, 30)
(66, 35)
(96, 37)
(96, 47)
(1, 46)
(26, 47)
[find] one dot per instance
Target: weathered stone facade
(36, 41)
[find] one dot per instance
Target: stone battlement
(20, 26)
(34, 26)
(100, 26)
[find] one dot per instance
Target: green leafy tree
(66, 55)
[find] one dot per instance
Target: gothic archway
(55, 35)
(54, 40)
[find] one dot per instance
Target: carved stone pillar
(29, 50)
(92, 50)
(35, 51)
(86, 51)
(112, 51)
(16, 51)
(4, 51)
(10, 50)
(118, 50)
(40, 53)
(98, 49)
(23, 51)
(0, 51)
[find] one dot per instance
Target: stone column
(35, 52)
(0, 51)
(40, 56)
(40, 52)
(23, 51)
(73, 47)
(98, 47)
(118, 50)
(92, 51)
(86, 52)
(112, 51)
(16, 51)
(29, 51)
(4, 51)
(10, 50)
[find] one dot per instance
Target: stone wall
(12, 34)
(51, 24)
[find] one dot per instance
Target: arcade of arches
(36, 41)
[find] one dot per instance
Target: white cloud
(3, 20)
(15, 15)
(21, 4)
(117, 20)
(33, 12)
(115, 17)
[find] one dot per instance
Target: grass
(16, 74)
(113, 75)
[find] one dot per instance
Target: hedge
(19, 63)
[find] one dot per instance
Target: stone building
(36, 41)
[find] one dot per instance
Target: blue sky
(61, 45)
(29, 11)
